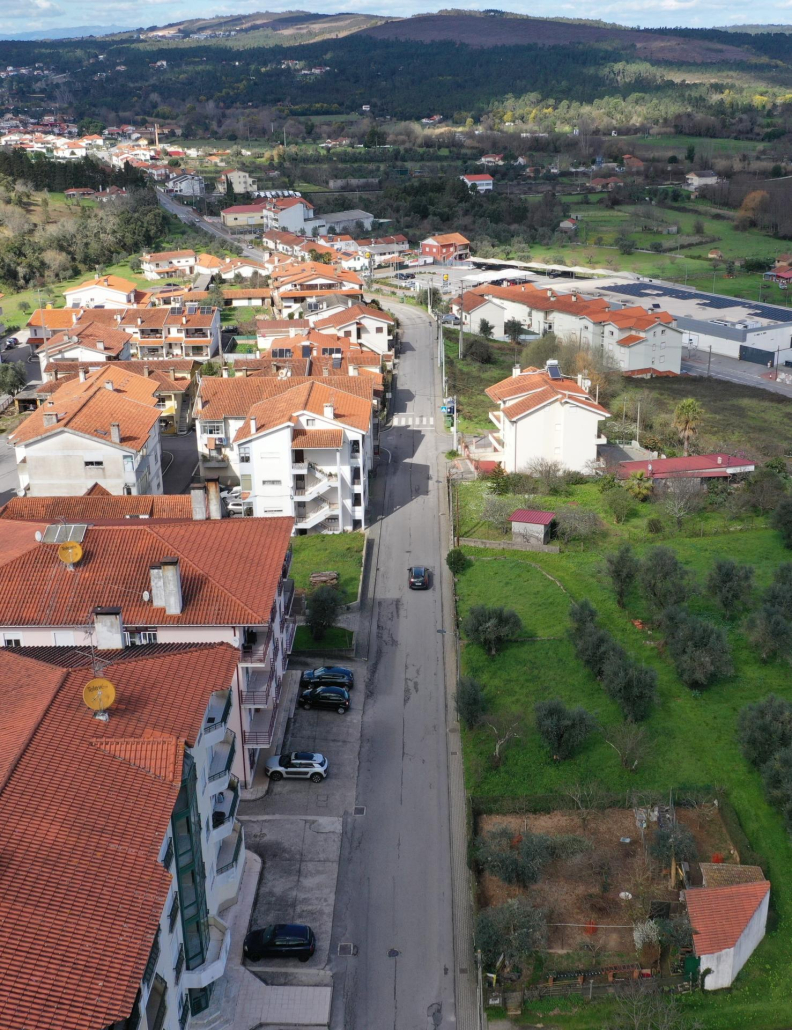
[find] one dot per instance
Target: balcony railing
(288, 597)
(257, 692)
(256, 653)
(223, 765)
(223, 863)
(153, 959)
(286, 564)
(263, 725)
(217, 716)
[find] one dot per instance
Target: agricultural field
(690, 735)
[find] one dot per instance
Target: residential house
(45, 322)
(302, 449)
(367, 326)
(240, 182)
(104, 428)
(298, 289)
(244, 267)
(491, 160)
(268, 330)
(144, 581)
(695, 180)
(608, 184)
(141, 800)
(283, 242)
(86, 340)
(445, 248)
(482, 182)
(477, 308)
(568, 225)
(293, 214)
(543, 414)
(699, 467)
(632, 163)
(97, 505)
(189, 331)
(101, 291)
(188, 184)
(728, 923)
(166, 263)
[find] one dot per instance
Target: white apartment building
(543, 414)
(165, 263)
(107, 291)
(148, 798)
(142, 581)
(104, 428)
(301, 448)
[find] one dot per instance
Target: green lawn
(467, 380)
(329, 552)
(693, 735)
(335, 637)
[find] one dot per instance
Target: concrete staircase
(184, 419)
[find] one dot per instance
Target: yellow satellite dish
(70, 552)
(99, 694)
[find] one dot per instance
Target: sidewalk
(240, 1000)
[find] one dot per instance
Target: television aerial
(99, 695)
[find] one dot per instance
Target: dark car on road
(328, 676)
(419, 577)
(336, 698)
(281, 940)
(404, 276)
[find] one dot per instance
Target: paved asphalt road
(394, 886)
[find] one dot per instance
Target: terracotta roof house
(696, 466)
(104, 290)
(446, 247)
(118, 797)
(542, 413)
(728, 923)
(101, 428)
(140, 581)
(482, 182)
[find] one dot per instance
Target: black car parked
(419, 577)
(282, 940)
(336, 698)
(328, 676)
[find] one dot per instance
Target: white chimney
(108, 384)
(252, 425)
(109, 628)
(353, 370)
(198, 500)
(115, 432)
(100, 345)
(50, 418)
(225, 372)
(171, 586)
(157, 589)
(80, 373)
(516, 370)
(720, 459)
(329, 411)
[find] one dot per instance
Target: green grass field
(335, 637)
(693, 735)
(332, 552)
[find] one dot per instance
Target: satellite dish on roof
(70, 552)
(146, 595)
(38, 536)
(99, 695)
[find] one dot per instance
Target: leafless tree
(682, 499)
(630, 742)
(585, 797)
(505, 727)
(548, 472)
(640, 1006)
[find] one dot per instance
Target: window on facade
(281, 352)
(246, 482)
(244, 455)
(358, 500)
(330, 351)
(12, 641)
(379, 329)
(270, 482)
(310, 422)
(93, 464)
(212, 428)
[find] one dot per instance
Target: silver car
(299, 765)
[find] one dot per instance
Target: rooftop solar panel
(771, 312)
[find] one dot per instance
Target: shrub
(777, 778)
(563, 729)
(622, 566)
(470, 701)
(498, 853)
(730, 585)
(770, 632)
(607, 482)
(549, 474)
(782, 520)
(664, 579)
(321, 610)
(674, 841)
(619, 504)
(596, 647)
(497, 481)
(457, 561)
(485, 328)
(567, 845)
(480, 352)
(498, 511)
(764, 728)
(654, 526)
(633, 687)
(577, 524)
(779, 593)
(698, 649)
(639, 485)
(514, 930)
(491, 627)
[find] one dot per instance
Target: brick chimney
(115, 432)
(50, 418)
(213, 496)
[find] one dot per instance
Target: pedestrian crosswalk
(413, 420)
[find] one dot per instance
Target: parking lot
(296, 830)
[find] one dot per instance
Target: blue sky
(30, 15)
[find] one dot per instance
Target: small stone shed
(531, 525)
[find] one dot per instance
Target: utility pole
(462, 319)
(709, 360)
(455, 422)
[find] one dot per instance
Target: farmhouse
(728, 923)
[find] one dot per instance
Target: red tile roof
(693, 465)
(532, 516)
(719, 915)
(97, 505)
(534, 388)
(331, 439)
(230, 569)
(352, 314)
(111, 282)
(82, 887)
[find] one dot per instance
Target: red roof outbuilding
(719, 915)
(532, 516)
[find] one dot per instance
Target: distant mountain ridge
(72, 32)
